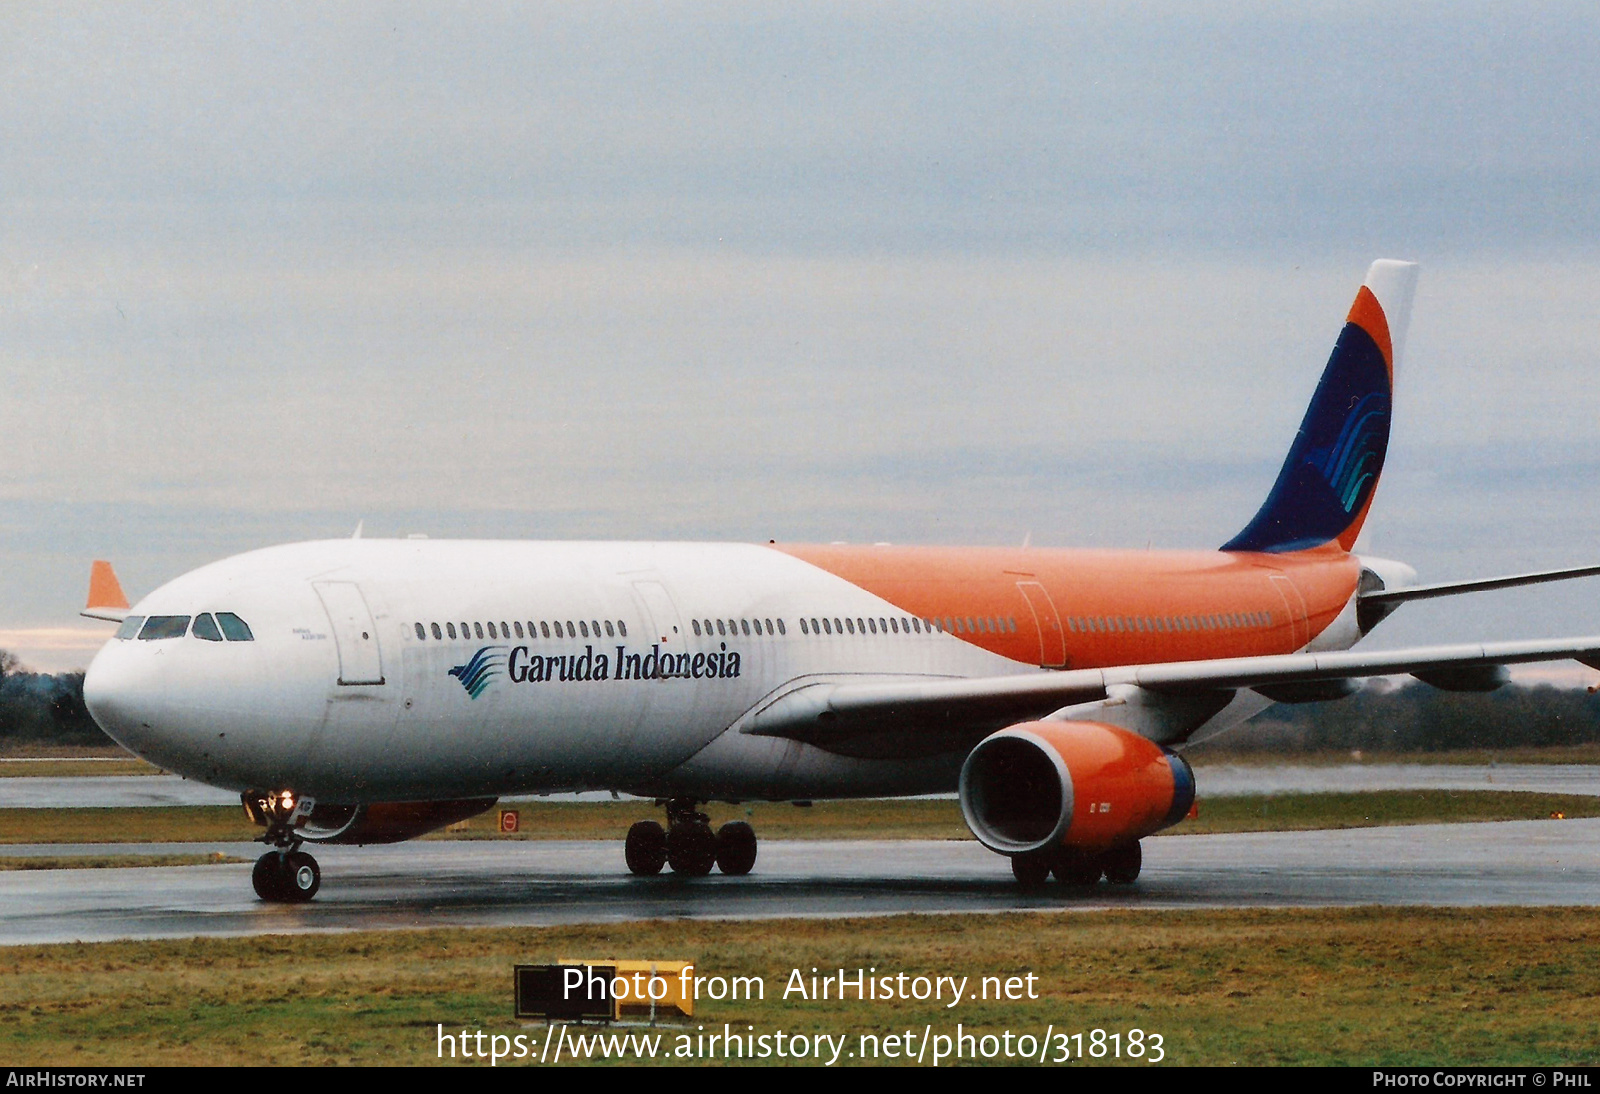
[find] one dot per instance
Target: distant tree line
(1419, 718)
(38, 707)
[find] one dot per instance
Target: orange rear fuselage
(1087, 609)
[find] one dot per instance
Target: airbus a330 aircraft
(368, 691)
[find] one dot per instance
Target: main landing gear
(689, 845)
(1070, 866)
(285, 875)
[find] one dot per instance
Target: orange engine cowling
(1081, 784)
(384, 822)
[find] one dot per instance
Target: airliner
(368, 690)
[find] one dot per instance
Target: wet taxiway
(493, 883)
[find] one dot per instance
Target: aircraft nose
(122, 696)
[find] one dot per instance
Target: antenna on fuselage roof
(1027, 538)
(359, 525)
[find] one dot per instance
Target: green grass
(1213, 755)
(903, 819)
(112, 862)
(171, 824)
(11, 748)
(18, 760)
(1362, 986)
(67, 766)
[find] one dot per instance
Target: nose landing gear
(688, 844)
(285, 875)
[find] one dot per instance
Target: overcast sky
(923, 273)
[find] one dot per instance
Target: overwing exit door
(1052, 643)
(1295, 605)
(665, 625)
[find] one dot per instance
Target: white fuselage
(338, 697)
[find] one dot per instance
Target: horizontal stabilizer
(106, 598)
(1479, 585)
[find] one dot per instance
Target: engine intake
(1081, 784)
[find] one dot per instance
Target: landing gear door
(360, 659)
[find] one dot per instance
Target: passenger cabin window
(164, 626)
(435, 628)
(205, 627)
(130, 627)
(234, 629)
(622, 629)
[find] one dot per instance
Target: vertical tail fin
(1325, 487)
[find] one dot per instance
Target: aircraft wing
(893, 716)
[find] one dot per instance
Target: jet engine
(1041, 785)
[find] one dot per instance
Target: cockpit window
(130, 627)
(206, 627)
(234, 629)
(164, 626)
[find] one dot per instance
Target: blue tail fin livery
(1325, 486)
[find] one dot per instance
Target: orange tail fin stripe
(1367, 314)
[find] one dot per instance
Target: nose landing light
(277, 810)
